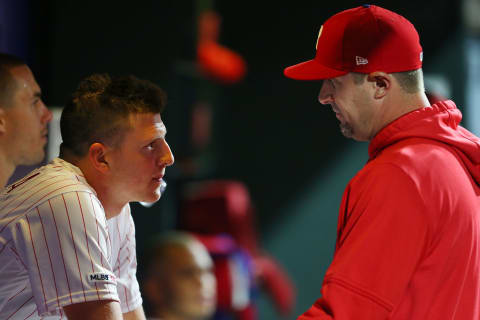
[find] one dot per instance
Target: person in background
(179, 282)
(67, 237)
(23, 117)
(408, 237)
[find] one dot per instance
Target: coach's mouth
(338, 113)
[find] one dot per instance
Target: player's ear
(97, 156)
(381, 82)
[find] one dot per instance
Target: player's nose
(47, 115)
(166, 157)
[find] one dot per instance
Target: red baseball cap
(363, 39)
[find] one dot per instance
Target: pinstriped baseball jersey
(57, 247)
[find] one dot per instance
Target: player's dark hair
(7, 82)
(99, 110)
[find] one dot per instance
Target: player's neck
(110, 204)
(6, 169)
(106, 194)
(104, 190)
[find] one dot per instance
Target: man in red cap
(408, 239)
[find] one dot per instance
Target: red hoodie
(408, 242)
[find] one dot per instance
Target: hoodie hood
(439, 122)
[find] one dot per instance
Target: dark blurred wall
(14, 25)
(141, 38)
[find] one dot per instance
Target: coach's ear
(96, 155)
(381, 83)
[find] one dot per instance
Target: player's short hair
(7, 82)
(100, 108)
(409, 81)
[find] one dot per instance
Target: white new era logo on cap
(360, 60)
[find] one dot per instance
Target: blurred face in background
(185, 287)
(27, 118)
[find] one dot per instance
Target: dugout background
(268, 131)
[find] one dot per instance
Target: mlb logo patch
(101, 277)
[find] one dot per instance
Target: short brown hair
(7, 82)
(409, 81)
(99, 110)
(359, 78)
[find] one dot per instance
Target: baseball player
(23, 117)
(67, 238)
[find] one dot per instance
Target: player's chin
(152, 195)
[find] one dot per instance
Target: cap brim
(311, 70)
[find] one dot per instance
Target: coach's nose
(325, 96)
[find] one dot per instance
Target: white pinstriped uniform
(57, 248)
